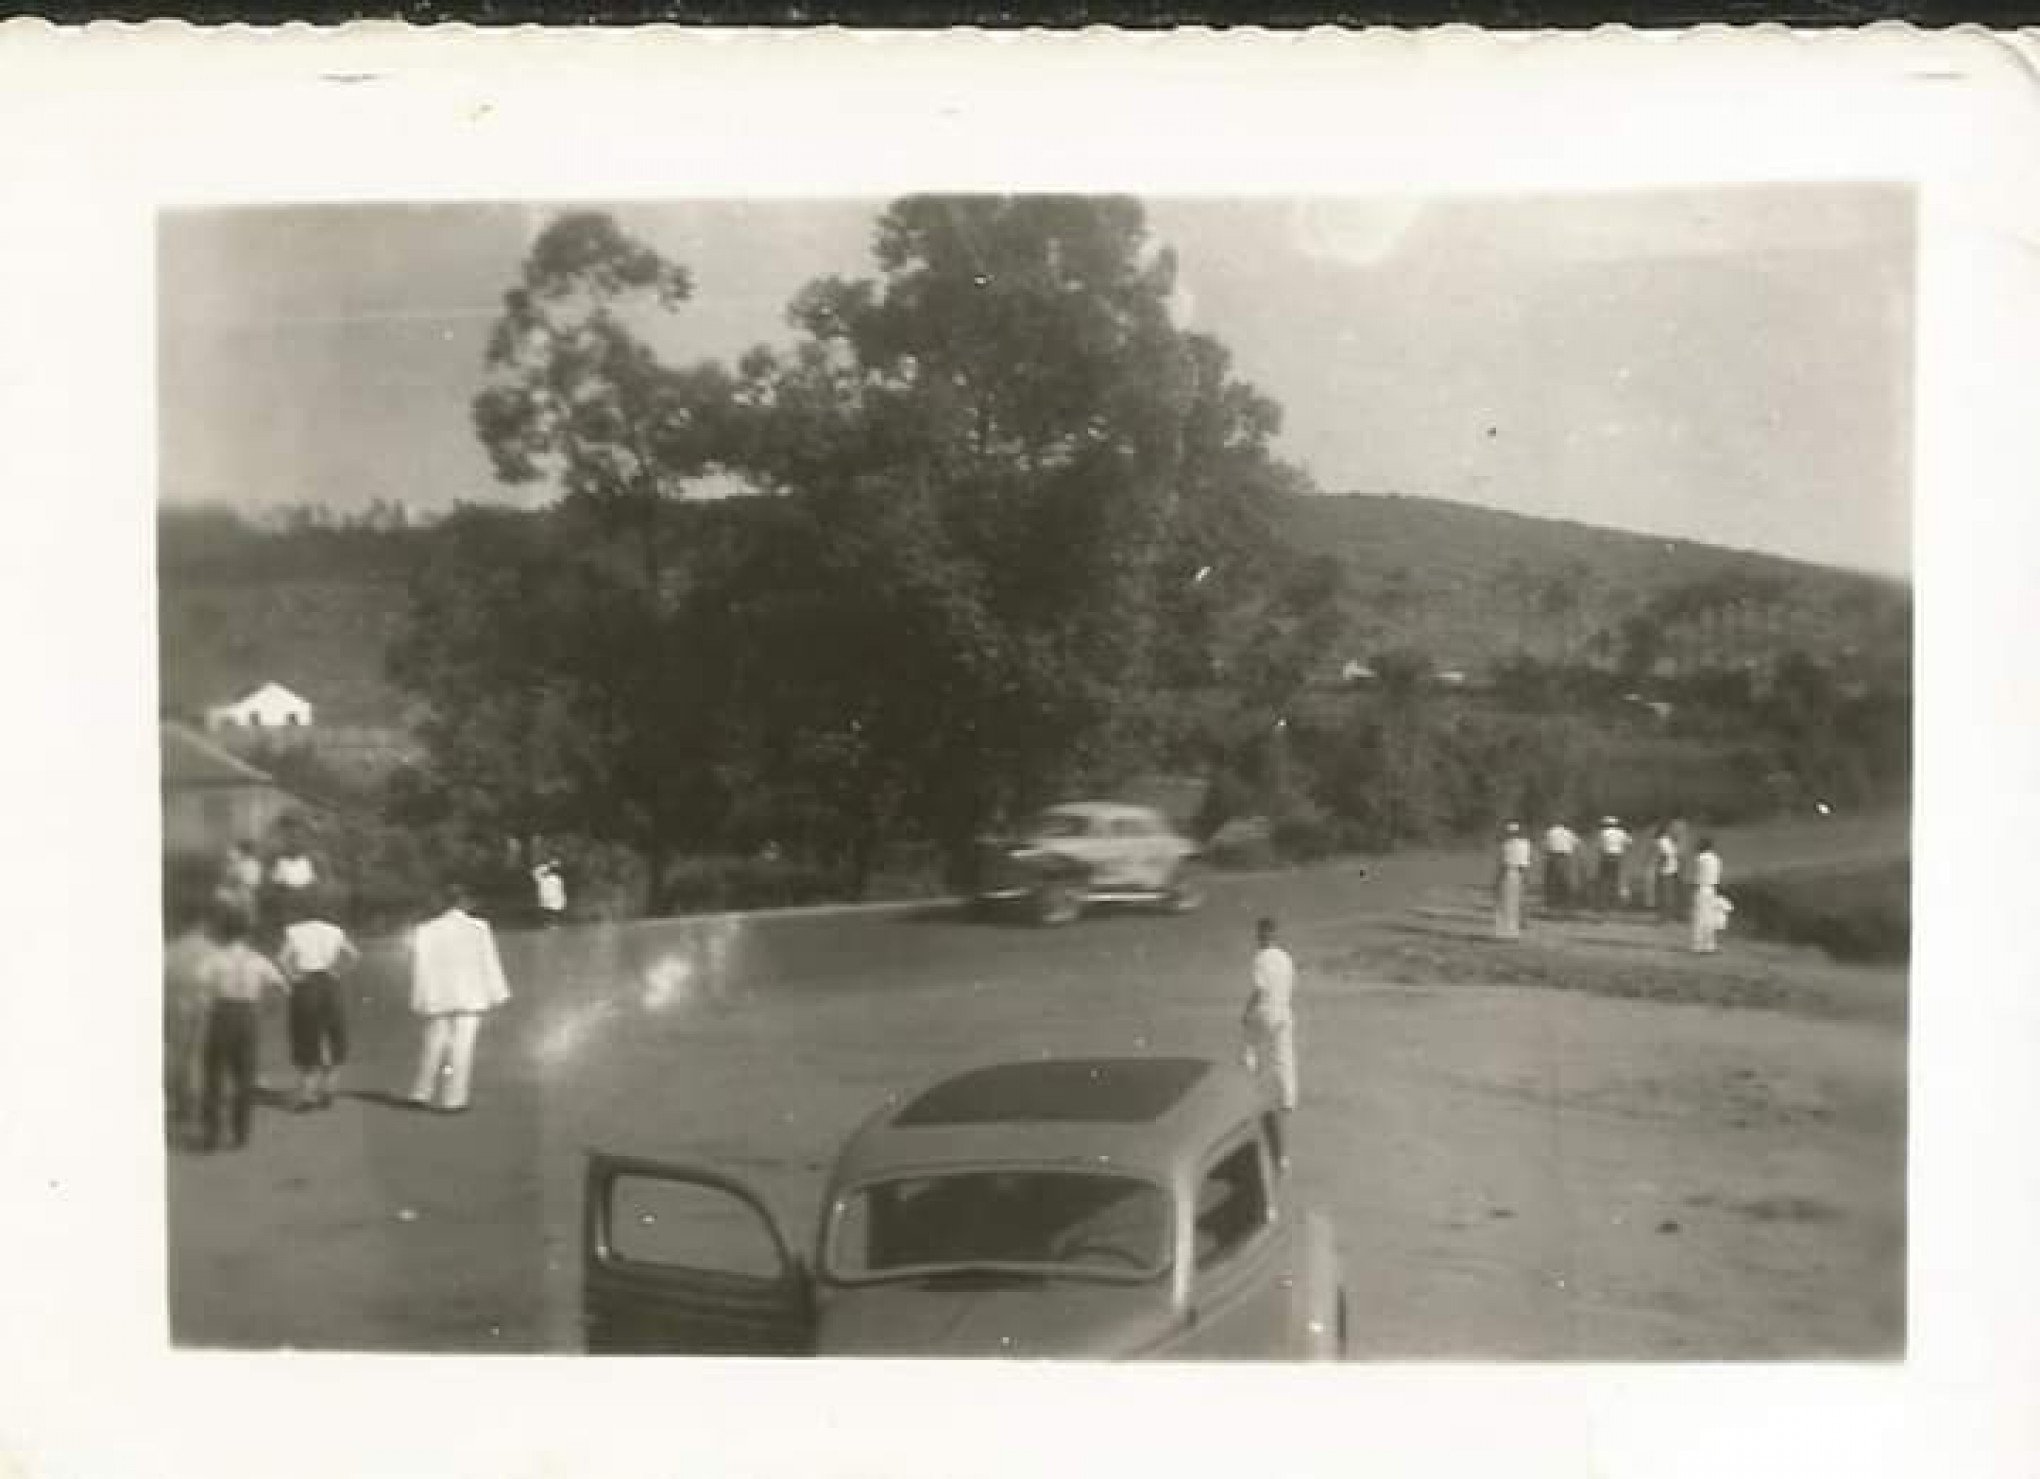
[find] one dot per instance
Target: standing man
(1664, 865)
(1512, 866)
(1612, 844)
(1561, 844)
(456, 976)
(1269, 1021)
(234, 978)
(1706, 897)
(316, 953)
(552, 892)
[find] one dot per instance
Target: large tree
(1002, 502)
(1067, 499)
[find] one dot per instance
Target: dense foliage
(1002, 521)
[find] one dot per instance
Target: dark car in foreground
(1106, 1207)
(1081, 853)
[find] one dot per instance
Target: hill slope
(314, 608)
(1470, 585)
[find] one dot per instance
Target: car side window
(1232, 1204)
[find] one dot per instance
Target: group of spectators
(267, 933)
(1668, 877)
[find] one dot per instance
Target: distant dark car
(1089, 852)
(1111, 1207)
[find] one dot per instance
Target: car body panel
(1245, 1271)
(1099, 850)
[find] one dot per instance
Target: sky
(1732, 365)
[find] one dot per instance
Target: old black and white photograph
(1040, 775)
(872, 756)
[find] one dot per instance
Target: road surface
(1592, 1146)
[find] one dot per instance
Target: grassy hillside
(1469, 585)
(313, 607)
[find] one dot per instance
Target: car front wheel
(1185, 891)
(1058, 901)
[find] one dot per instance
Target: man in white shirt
(1269, 1020)
(552, 892)
(315, 953)
(456, 976)
(1707, 900)
(1612, 843)
(1561, 845)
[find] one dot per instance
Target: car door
(1242, 1251)
(683, 1260)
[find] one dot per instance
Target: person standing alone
(456, 976)
(1269, 1019)
(551, 887)
(1707, 909)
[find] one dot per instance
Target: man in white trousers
(456, 976)
(1269, 1020)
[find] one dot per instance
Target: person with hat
(456, 977)
(1512, 864)
(1611, 843)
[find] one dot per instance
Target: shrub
(1855, 914)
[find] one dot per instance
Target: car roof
(1099, 809)
(1153, 1116)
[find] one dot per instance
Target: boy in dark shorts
(315, 954)
(233, 980)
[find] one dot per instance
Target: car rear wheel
(1059, 901)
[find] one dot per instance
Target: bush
(714, 885)
(1861, 914)
(1243, 842)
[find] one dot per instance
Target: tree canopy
(1007, 514)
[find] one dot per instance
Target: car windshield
(1075, 1223)
(1060, 824)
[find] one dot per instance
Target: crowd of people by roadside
(1675, 877)
(268, 934)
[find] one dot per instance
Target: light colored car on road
(1089, 852)
(1107, 1207)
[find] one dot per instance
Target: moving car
(1101, 1207)
(1089, 852)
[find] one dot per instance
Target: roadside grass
(1622, 959)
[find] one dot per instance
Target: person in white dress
(1707, 902)
(1512, 867)
(1269, 1019)
(456, 977)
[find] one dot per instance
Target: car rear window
(1084, 1223)
(1060, 824)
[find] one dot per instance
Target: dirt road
(1589, 1146)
